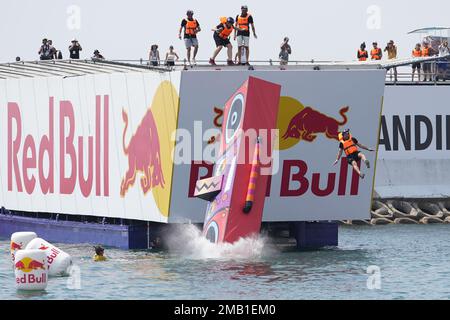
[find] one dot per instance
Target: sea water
(380, 262)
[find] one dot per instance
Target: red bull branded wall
(102, 144)
(413, 159)
(314, 106)
(93, 145)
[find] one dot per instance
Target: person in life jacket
(376, 53)
(244, 21)
(427, 51)
(99, 254)
(349, 146)
(191, 28)
(363, 55)
(222, 34)
(416, 53)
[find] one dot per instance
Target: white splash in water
(188, 241)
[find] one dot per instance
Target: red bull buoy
(253, 177)
(58, 261)
(19, 241)
(31, 270)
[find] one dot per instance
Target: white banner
(314, 107)
(76, 145)
(413, 159)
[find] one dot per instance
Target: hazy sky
(319, 29)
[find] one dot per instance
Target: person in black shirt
(191, 28)
(221, 37)
(45, 52)
(244, 21)
(350, 145)
(75, 49)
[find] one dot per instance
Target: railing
(437, 74)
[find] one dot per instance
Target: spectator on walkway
(285, 52)
(75, 49)
(444, 51)
(362, 55)
(426, 66)
(191, 28)
(221, 37)
(416, 53)
(52, 49)
(171, 57)
(153, 55)
(98, 55)
(243, 23)
(376, 53)
(391, 49)
(45, 51)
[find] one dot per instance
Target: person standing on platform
(191, 28)
(243, 22)
(416, 53)
(362, 54)
(376, 53)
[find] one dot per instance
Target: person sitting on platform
(350, 145)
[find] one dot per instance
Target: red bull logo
(15, 246)
(27, 265)
(306, 124)
(143, 153)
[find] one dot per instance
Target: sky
(319, 29)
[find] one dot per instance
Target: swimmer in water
(99, 251)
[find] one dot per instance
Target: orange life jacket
(362, 55)
(376, 54)
(223, 19)
(349, 146)
(417, 53)
(425, 52)
(243, 22)
(225, 33)
(191, 27)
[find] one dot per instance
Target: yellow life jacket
(99, 258)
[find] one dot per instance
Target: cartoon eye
(234, 117)
(213, 232)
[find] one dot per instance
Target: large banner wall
(93, 145)
(314, 106)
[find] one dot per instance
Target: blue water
(414, 263)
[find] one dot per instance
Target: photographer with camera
(391, 49)
(74, 49)
(285, 52)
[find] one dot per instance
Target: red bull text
(71, 147)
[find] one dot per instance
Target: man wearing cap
(349, 146)
(74, 49)
(191, 28)
(376, 53)
(243, 22)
